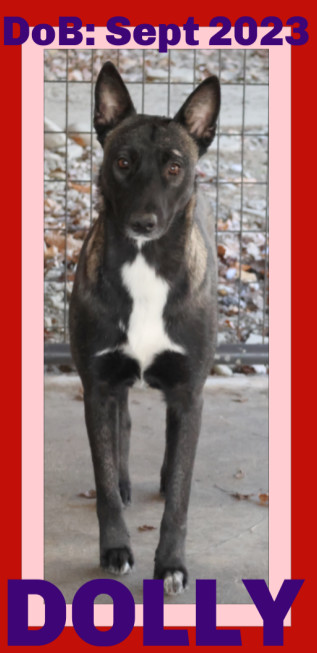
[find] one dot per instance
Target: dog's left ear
(112, 101)
(200, 112)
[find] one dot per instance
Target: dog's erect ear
(200, 112)
(112, 101)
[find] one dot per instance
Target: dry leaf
(145, 527)
(89, 494)
(78, 140)
(239, 474)
(261, 500)
(221, 250)
(239, 496)
(80, 187)
(80, 394)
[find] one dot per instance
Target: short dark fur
(142, 196)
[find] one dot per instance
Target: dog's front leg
(102, 420)
(124, 447)
(183, 426)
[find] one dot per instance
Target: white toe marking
(173, 583)
(124, 569)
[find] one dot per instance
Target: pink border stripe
(32, 314)
(32, 337)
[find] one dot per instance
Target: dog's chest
(146, 333)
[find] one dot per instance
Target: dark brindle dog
(144, 306)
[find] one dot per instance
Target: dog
(144, 306)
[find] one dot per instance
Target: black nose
(143, 223)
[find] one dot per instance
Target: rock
(54, 141)
(225, 290)
(236, 167)
(51, 126)
(223, 370)
(75, 132)
(222, 338)
(253, 250)
(75, 75)
(256, 339)
(260, 369)
(155, 73)
(232, 273)
(74, 151)
(247, 277)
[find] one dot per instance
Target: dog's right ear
(200, 112)
(112, 101)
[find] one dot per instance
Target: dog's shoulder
(200, 249)
(91, 255)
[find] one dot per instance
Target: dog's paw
(117, 561)
(125, 492)
(175, 579)
(174, 583)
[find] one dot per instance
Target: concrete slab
(227, 536)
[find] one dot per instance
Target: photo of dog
(156, 304)
(144, 306)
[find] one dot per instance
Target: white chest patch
(146, 332)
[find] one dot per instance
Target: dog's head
(148, 172)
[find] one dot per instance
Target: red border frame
(303, 270)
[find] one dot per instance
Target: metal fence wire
(233, 174)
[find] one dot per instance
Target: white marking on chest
(146, 331)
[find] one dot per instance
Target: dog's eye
(173, 169)
(123, 163)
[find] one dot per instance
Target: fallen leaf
(145, 527)
(247, 369)
(79, 187)
(221, 250)
(50, 252)
(260, 500)
(79, 396)
(78, 140)
(233, 310)
(222, 226)
(240, 497)
(89, 494)
(239, 474)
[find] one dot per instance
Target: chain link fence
(233, 174)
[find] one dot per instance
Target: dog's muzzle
(143, 224)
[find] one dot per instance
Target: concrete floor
(227, 536)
